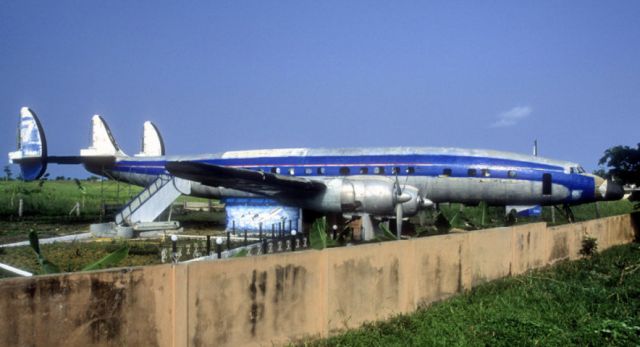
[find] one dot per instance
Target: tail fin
(102, 142)
(32, 146)
(152, 144)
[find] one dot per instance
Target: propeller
(400, 198)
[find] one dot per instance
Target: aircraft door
(546, 184)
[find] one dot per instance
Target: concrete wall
(273, 299)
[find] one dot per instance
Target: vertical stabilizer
(152, 144)
(32, 146)
(102, 141)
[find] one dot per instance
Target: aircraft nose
(608, 190)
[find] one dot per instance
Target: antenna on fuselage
(535, 148)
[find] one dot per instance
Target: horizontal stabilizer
(102, 141)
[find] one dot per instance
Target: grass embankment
(590, 302)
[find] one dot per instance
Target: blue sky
(217, 76)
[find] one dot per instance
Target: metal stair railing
(141, 197)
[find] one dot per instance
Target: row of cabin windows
(380, 170)
(475, 172)
(344, 171)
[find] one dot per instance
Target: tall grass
(590, 302)
(57, 198)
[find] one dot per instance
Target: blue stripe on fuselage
(424, 165)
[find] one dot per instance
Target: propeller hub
(403, 197)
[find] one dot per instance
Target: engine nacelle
(367, 196)
(377, 197)
(372, 195)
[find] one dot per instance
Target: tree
(623, 163)
(8, 174)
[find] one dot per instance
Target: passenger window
(321, 171)
(546, 184)
(411, 170)
(292, 171)
(308, 171)
(275, 170)
(511, 174)
(378, 170)
(364, 170)
(344, 171)
(395, 170)
(446, 172)
(471, 172)
(486, 173)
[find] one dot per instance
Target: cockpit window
(576, 169)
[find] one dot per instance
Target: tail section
(102, 142)
(32, 146)
(152, 144)
(32, 156)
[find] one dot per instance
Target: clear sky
(230, 75)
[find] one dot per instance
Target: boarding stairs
(145, 207)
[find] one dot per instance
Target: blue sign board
(249, 213)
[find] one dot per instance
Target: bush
(589, 246)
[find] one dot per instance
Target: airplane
(394, 182)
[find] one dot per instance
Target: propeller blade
(398, 220)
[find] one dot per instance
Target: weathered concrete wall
(110, 308)
(256, 299)
(274, 299)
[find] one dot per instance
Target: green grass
(74, 256)
(57, 198)
(590, 302)
(47, 207)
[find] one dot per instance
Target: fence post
(219, 247)
(174, 248)
(293, 240)
(20, 207)
(208, 245)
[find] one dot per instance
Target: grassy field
(47, 207)
(590, 302)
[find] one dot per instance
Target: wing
(263, 183)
